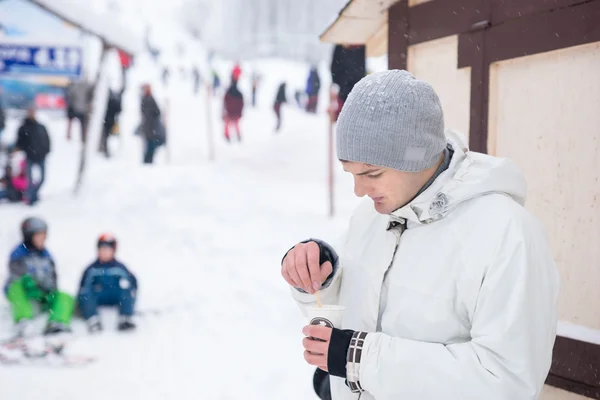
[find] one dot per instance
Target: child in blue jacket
(107, 282)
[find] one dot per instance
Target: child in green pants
(32, 280)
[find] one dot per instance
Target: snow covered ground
(205, 240)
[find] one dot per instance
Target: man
(2, 116)
(33, 139)
(32, 279)
(449, 285)
(233, 109)
(152, 128)
(113, 109)
(280, 99)
(348, 66)
(79, 101)
(107, 282)
(313, 86)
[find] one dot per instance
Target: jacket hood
(470, 175)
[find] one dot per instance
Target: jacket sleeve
(513, 327)
(16, 269)
(330, 290)
(85, 283)
(48, 138)
(134, 282)
(21, 139)
(131, 276)
(53, 283)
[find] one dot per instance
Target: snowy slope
(205, 240)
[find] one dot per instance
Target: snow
(98, 23)
(578, 332)
(205, 240)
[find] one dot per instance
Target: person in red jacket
(233, 106)
(236, 72)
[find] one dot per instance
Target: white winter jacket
(466, 308)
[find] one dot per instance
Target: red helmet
(107, 239)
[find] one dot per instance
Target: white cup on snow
(330, 316)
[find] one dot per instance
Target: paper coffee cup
(330, 316)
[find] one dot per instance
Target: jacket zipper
(398, 231)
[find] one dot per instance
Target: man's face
(106, 253)
(388, 188)
(39, 240)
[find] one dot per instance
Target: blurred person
(348, 66)
(236, 72)
(233, 107)
(107, 282)
(2, 115)
(32, 280)
(216, 82)
(126, 61)
(313, 86)
(166, 74)
(300, 97)
(255, 84)
(113, 109)
(280, 99)
(34, 141)
(448, 282)
(197, 79)
(79, 95)
(14, 184)
(152, 128)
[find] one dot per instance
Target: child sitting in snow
(13, 186)
(32, 281)
(107, 282)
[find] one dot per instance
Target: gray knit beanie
(391, 119)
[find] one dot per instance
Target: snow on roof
(102, 25)
(357, 22)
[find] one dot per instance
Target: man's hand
(315, 352)
(301, 267)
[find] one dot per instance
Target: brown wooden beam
(576, 363)
(573, 386)
(559, 29)
(478, 123)
(440, 18)
(503, 10)
(398, 35)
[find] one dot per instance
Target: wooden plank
(437, 19)
(549, 31)
(398, 35)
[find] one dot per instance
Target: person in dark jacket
(79, 96)
(313, 85)
(233, 107)
(152, 129)
(348, 66)
(113, 109)
(197, 77)
(107, 282)
(33, 139)
(279, 100)
(2, 115)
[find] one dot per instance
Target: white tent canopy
(102, 25)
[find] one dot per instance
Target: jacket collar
(433, 203)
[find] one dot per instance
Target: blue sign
(17, 59)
